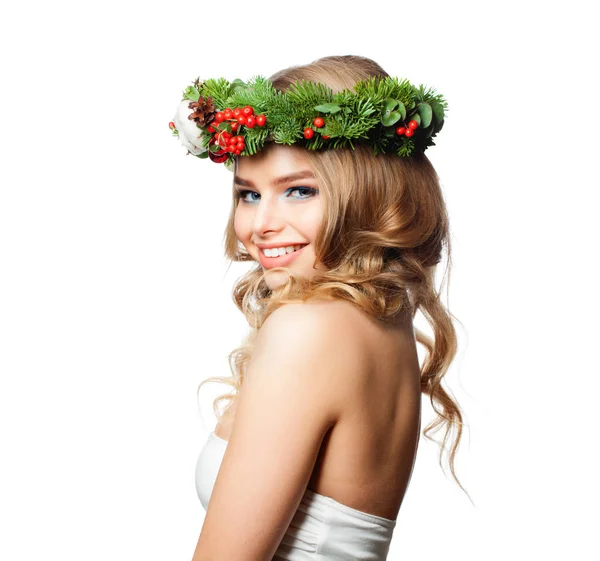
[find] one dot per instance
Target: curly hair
(384, 231)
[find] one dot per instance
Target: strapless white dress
(322, 529)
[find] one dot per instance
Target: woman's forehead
(273, 164)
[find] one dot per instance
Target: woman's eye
(308, 191)
(244, 193)
(303, 193)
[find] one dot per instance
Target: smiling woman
(285, 211)
(343, 218)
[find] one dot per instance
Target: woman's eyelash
(311, 191)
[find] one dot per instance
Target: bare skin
(366, 458)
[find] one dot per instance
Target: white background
(115, 297)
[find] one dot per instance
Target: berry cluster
(408, 130)
(309, 132)
(224, 128)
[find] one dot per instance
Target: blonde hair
(384, 231)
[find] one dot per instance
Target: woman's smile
(282, 259)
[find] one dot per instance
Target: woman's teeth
(278, 251)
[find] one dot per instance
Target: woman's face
(279, 207)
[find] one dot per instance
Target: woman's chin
(275, 279)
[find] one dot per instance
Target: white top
(322, 529)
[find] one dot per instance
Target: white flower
(189, 132)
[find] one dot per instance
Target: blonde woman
(314, 452)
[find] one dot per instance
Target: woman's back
(366, 458)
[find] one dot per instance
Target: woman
(343, 214)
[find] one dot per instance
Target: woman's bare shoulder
(337, 328)
(331, 311)
(334, 323)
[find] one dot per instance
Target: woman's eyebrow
(244, 182)
(280, 180)
(307, 174)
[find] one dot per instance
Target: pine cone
(204, 111)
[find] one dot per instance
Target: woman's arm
(289, 399)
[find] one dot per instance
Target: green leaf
(425, 113)
(417, 118)
(438, 112)
(402, 110)
(428, 131)
(203, 155)
(390, 105)
(214, 148)
(388, 119)
(191, 93)
(328, 108)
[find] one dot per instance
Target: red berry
(239, 138)
(309, 133)
(234, 126)
(172, 125)
(326, 137)
(261, 120)
(220, 117)
(218, 157)
(228, 114)
(210, 129)
(412, 124)
(409, 132)
(248, 111)
(318, 122)
(237, 112)
(400, 131)
(250, 121)
(237, 152)
(241, 120)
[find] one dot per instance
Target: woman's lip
(281, 261)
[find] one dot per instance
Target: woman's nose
(268, 216)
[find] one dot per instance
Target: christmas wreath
(220, 120)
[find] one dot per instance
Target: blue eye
(308, 193)
(243, 195)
